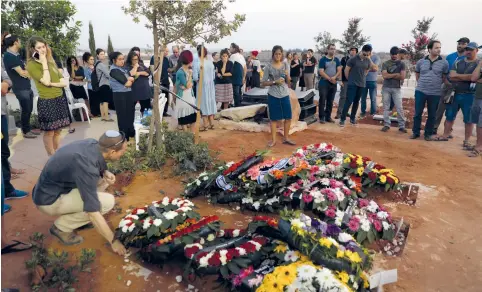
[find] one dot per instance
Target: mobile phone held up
(36, 55)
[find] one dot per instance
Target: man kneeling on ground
(72, 184)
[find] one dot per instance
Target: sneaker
(330, 121)
(17, 194)
(6, 208)
(342, 124)
(363, 116)
(29, 135)
(353, 122)
(67, 238)
(385, 129)
(414, 136)
(403, 130)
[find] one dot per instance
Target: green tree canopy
(352, 36)
(52, 20)
(92, 40)
(110, 48)
(323, 39)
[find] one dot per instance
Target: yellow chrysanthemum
(340, 254)
(281, 248)
(383, 179)
(347, 160)
(354, 257)
(375, 170)
(304, 258)
(359, 161)
(360, 171)
(343, 276)
(350, 155)
(325, 242)
(285, 275)
(318, 162)
(364, 277)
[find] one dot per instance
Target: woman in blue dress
(208, 99)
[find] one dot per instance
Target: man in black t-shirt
(351, 53)
(15, 67)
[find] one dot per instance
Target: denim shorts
(463, 101)
(279, 108)
(476, 113)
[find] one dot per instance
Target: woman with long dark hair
(77, 81)
(52, 106)
(224, 75)
(185, 113)
(141, 91)
(121, 83)
(94, 102)
(302, 85)
(208, 97)
(276, 76)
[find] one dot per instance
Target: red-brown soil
(442, 252)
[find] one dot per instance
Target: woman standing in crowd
(287, 61)
(88, 60)
(52, 106)
(255, 78)
(105, 92)
(215, 56)
(249, 72)
(302, 69)
(141, 91)
(76, 81)
(185, 113)
(276, 76)
(295, 71)
(121, 83)
(309, 70)
(208, 100)
(224, 74)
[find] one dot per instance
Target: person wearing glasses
(431, 72)
(141, 91)
(356, 72)
(461, 79)
(72, 187)
(447, 90)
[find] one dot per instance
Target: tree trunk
(199, 97)
(155, 81)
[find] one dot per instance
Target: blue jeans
(432, 103)
(6, 174)
(371, 87)
(237, 95)
(25, 99)
(353, 95)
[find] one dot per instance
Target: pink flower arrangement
(307, 198)
(353, 225)
(377, 225)
(330, 213)
(362, 203)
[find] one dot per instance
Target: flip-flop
(211, 127)
(71, 131)
(271, 144)
(289, 142)
(17, 171)
(11, 248)
(475, 153)
(14, 176)
(203, 129)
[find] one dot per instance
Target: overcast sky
(294, 24)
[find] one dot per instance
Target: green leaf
(177, 241)
(165, 225)
(387, 187)
(371, 236)
(224, 272)
(151, 231)
(187, 239)
(163, 248)
(361, 236)
(233, 268)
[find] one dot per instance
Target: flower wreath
(313, 151)
(191, 249)
(300, 166)
(169, 208)
(180, 234)
(222, 257)
(232, 167)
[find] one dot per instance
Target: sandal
(71, 131)
(271, 144)
(438, 139)
(466, 145)
(14, 176)
(11, 248)
(475, 153)
(17, 171)
(203, 129)
(211, 127)
(289, 142)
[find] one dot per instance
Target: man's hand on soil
(118, 248)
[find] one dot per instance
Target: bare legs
(208, 120)
(225, 105)
(104, 112)
(51, 141)
(286, 133)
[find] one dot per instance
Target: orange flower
(278, 174)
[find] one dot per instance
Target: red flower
(214, 260)
(249, 247)
(390, 180)
(353, 164)
(372, 176)
(377, 225)
(318, 145)
(304, 148)
(190, 251)
(201, 255)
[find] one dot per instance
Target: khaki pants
(309, 80)
(70, 208)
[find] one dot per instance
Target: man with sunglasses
(461, 78)
(447, 89)
(430, 73)
(72, 184)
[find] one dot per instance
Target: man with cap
(447, 88)
(72, 184)
(370, 88)
(344, 84)
(461, 78)
(393, 72)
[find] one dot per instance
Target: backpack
(94, 79)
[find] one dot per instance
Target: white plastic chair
(141, 129)
(76, 105)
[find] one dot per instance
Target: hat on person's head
(254, 53)
(394, 51)
(472, 45)
(464, 40)
(353, 48)
(402, 51)
(367, 48)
